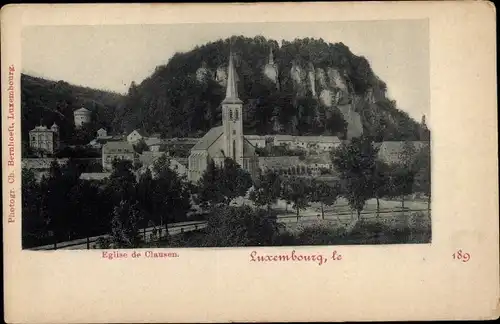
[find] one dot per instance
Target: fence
(145, 233)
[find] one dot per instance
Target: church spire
(271, 58)
(232, 88)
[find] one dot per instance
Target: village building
(154, 144)
(41, 166)
(82, 116)
(314, 165)
(257, 140)
(95, 176)
(148, 158)
(102, 133)
(227, 140)
(321, 143)
(135, 136)
(43, 139)
(116, 151)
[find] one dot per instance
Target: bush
(320, 235)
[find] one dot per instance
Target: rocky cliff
(302, 87)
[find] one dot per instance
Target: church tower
(232, 117)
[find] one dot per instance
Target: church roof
(210, 137)
(232, 87)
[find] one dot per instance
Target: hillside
(49, 101)
(303, 87)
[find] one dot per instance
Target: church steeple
(271, 57)
(232, 117)
(232, 86)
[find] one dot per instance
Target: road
(84, 243)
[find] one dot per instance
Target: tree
(33, 223)
(405, 171)
(240, 226)
(141, 146)
(145, 187)
(355, 163)
(297, 192)
(324, 194)
(122, 182)
(381, 182)
(221, 185)
(266, 190)
(170, 196)
(125, 225)
(423, 176)
(402, 182)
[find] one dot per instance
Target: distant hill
(49, 101)
(302, 87)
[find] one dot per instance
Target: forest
(175, 102)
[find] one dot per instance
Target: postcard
(250, 162)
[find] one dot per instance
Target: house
(44, 139)
(284, 140)
(148, 158)
(278, 163)
(135, 136)
(256, 140)
(116, 150)
(227, 140)
(95, 176)
(102, 133)
(154, 143)
(322, 143)
(41, 166)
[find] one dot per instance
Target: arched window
(234, 150)
(236, 113)
(230, 114)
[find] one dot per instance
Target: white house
(135, 136)
(102, 133)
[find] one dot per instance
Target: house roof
(94, 175)
(183, 161)
(210, 137)
(42, 163)
(113, 146)
(278, 162)
(154, 141)
(140, 131)
(320, 139)
(82, 110)
(390, 150)
(255, 137)
(149, 157)
(318, 159)
(41, 128)
(283, 137)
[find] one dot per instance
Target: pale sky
(111, 57)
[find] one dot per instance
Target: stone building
(44, 139)
(82, 116)
(227, 140)
(116, 151)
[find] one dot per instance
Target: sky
(110, 57)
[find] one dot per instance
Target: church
(227, 140)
